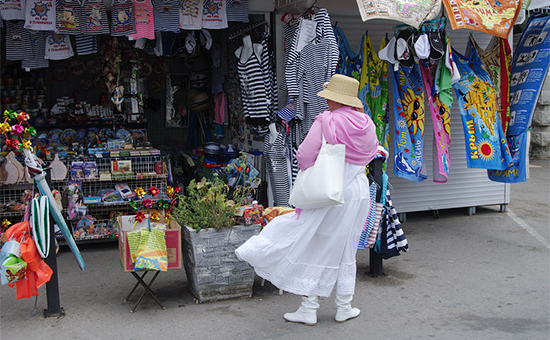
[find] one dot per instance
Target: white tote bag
(322, 184)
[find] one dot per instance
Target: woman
(311, 251)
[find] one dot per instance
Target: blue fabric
(520, 155)
(349, 61)
(408, 103)
(486, 146)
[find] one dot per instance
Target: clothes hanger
(248, 28)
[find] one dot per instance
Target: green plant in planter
(205, 205)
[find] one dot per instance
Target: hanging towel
(408, 102)
(486, 146)
(374, 89)
(441, 118)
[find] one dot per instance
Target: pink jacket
(342, 126)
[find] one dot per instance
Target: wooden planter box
(213, 271)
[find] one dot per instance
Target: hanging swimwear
(374, 90)
(408, 102)
(349, 62)
(486, 146)
(441, 118)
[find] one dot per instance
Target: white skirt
(309, 252)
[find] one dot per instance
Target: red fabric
(38, 272)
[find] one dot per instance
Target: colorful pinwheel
(147, 203)
(140, 216)
(154, 216)
(154, 191)
(140, 192)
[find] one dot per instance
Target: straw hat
(342, 89)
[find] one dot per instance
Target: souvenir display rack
(144, 176)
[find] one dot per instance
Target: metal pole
(52, 286)
(375, 262)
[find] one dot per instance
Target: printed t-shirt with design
(122, 18)
(214, 15)
(12, 10)
(17, 41)
(191, 14)
(95, 18)
(145, 20)
(40, 15)
(36, 59)
(69, 18)
(58, 46)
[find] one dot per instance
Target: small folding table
(146, 286)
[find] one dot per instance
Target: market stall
(158, 116)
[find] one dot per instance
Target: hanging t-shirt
(408, 103)
(58, 46)
(191, 14)
(69, 17)
(36, 59)
(40, 15)
(214, 15)
(95, 17)
(122, 18)
(13, 10)
(237, 10)
(486, 146)
(145, 21)
(167, 15)
(86, 44)
(17, 41)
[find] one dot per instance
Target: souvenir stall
(124, 104)
(443, 174)
(118, 102)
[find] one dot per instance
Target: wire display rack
(144, 173)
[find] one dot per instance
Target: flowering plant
(206, 205)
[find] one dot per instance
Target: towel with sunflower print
(486, 145)
(408, 102)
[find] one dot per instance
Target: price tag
(308, 31)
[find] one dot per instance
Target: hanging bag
(40, 224)
(151, 253)
(322, 184)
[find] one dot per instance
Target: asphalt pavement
(485, 276)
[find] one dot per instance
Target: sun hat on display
(342, 89)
